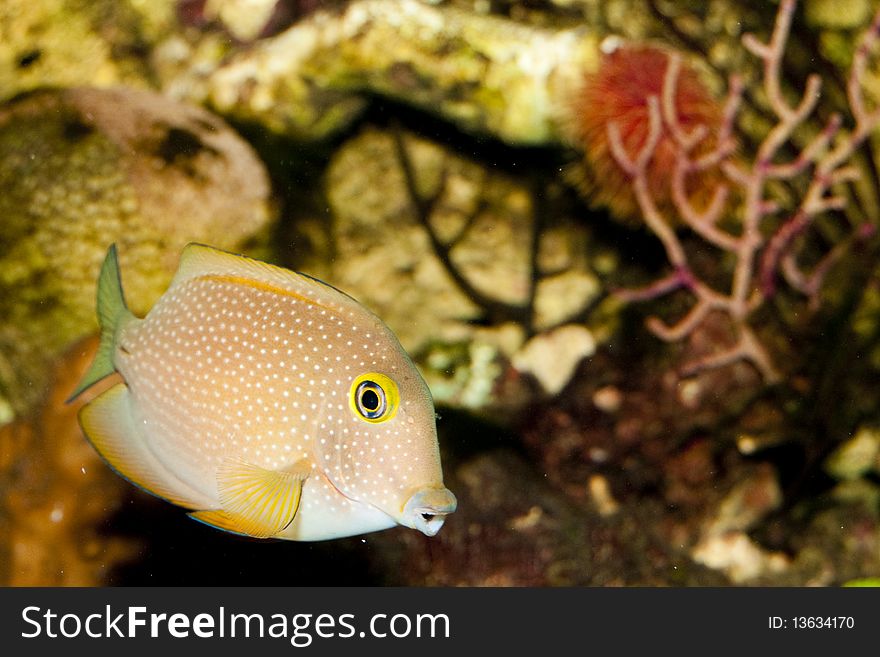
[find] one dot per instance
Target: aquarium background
(639, 379)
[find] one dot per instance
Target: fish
(265, 402)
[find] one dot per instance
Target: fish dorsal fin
(255, 501)
(198, 260)
(109, 425)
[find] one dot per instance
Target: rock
(62, 43)
(440, 247)
(465, 375)
(747, 503)
(486, 74)
(513, 529)
(608, 399)
(837, 14)
(841, 543)
(553, 356)
(559, 297)
(384, 255)
(872, 582)
(856, 457)
(739, 557)
(600, 494)
(83, 168)
(245, 19)
(724, 544)
(857, 491)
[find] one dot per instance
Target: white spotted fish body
(267, 402)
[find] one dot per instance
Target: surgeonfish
(268, 403)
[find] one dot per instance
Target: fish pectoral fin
(255, 501)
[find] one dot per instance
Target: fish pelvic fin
(255, 501)
(113, 313)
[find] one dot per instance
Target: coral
(57, 493)
(617, 93)
(758, 259)
(82, 168)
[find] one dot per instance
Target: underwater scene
(440, 292)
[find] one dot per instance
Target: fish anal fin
(256, 501)
(219, 519)
(108, 424)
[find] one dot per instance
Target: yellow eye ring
(374, 397)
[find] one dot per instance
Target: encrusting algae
(270, 404)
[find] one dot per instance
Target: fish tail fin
(113, 313)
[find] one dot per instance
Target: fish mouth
(427, 509)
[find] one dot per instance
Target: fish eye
(374, 397)
(370, 399)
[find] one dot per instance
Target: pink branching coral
(758, 258)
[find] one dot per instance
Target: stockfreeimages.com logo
(299, 629)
